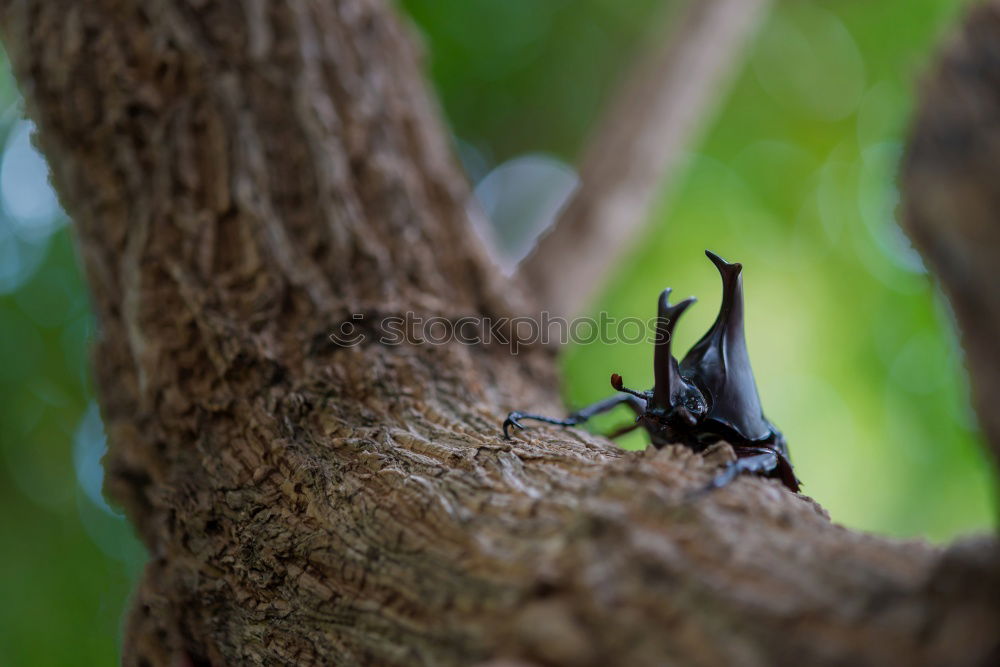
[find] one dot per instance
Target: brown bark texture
(244, 178)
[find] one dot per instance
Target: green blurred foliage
(855, 353)
(68, 561)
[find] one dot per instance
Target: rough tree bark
(953, 197)
(245, 176)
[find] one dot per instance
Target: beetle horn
(721, 363)
(731, 310)
(666, 371)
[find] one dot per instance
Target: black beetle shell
(719, 364)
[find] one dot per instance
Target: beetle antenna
(616, 382)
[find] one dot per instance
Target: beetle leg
(514, 419)
(578, 417)
(779, 445)
(784, 471)
(751, 460)
(757, 460)
(622, 430)
(583, 414)
(638, 406)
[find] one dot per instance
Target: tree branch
(661, 111)
(952, 196)
(244, 176)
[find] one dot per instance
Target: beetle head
(675, 405)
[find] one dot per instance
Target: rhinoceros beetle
(710, 396)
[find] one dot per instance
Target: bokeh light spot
(878, 199)
(921, 365)
(19, 259)
(520, 199)
(27, 197)
(89, 447)
(808, 58)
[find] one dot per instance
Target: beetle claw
(512, 420)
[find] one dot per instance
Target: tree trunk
(953, 196)
(247, 176)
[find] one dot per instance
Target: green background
(854, 350)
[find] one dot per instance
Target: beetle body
(707, 397)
